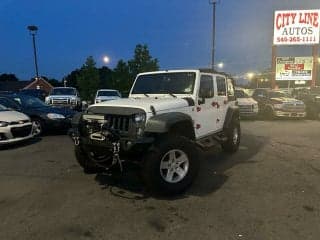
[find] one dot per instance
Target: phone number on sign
(311, 39)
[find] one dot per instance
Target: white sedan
(14, 126)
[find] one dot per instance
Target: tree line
(88, 79)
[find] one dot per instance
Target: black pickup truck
(311, 98)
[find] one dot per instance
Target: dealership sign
(294, 68)
(301, 27)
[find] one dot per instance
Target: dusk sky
(178, 33)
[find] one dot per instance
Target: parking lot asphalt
(269, 189)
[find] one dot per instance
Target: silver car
(14, 126)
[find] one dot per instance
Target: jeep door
(205, 117)
(221, 101)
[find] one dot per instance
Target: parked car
(274, 103)
(167, 117)
(311, 98)
(43, 116)
(247, 105)
(39, 93)
(64, 97)
(106, 95)
(14, 126)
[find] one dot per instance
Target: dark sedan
(45, 117)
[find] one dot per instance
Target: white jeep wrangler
(168, 115)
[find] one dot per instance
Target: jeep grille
(120, 123)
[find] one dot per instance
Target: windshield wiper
(146, 95)
(171, 94)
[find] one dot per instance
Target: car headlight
(140, 118)
(55, 116)
(278, 105)
(3, 124)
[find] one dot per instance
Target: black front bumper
(58, 124)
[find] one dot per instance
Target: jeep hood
(159, 104)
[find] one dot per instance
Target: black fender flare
(171, 121)
(233, 114)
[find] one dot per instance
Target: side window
(221, 86)
(230, 88)
(206, 86)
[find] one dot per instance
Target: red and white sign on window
(296, 27)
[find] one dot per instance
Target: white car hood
(159, 104)
(12, 116)
(246, 101)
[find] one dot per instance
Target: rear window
(221, 86)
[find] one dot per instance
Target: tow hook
(76, 141)
(75, 137)
(116, 159)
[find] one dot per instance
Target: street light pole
(214, 3)
(33, 30)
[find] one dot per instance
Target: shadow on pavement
(211, 177)
(21, 144)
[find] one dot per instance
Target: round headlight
(140, 117)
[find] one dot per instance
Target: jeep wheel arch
(233, 113)
(172, 122)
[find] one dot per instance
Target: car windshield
(274, 94)
(63, 91)
(241, 94)
(107, 93)
(29, 101)
(3, 108)
(165, 83)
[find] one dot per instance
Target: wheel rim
(37, 127)
(235, 136)
(174, 166)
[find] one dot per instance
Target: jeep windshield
(63, 91)
(165, 83)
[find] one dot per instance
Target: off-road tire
(232, 143)
(151, 172)
(84, 161)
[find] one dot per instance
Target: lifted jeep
(167, 117)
